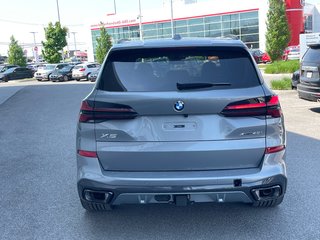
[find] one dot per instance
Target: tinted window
(49, 67)
(10, 70)
(312, 55)
(78, 67)
(161, 69)
(66, 68)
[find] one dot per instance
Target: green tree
(15, 53)
(278, 33)
(103, 44)
(55, 42)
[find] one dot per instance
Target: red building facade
(294, 12)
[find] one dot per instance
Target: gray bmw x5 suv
(180, 121)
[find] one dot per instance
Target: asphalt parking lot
(38, 197)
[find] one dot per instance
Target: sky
(20, 17)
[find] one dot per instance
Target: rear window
(312, 55)
(49, 67)
(78, 67)
(161, 69)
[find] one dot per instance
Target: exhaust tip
(97, 196)
(266, 193)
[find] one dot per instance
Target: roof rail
(123, 40)
(230, 36)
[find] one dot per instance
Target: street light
(58, 10)
(172, 32)
(74, 40)
(35, 48)
(140, 21)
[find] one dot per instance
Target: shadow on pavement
(316, 110)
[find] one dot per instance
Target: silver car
(180, 121)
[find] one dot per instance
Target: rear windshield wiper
(187, 86)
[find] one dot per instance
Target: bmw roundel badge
(179, 106)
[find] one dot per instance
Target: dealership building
(245, 19)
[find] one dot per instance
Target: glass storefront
(245, 25)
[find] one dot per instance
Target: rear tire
(65, 78)
(87, 77)
(95, 207)
(268, 203)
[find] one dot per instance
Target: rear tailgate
(157, 137)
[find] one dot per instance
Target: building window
(308, 24)
(244, 25)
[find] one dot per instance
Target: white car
(82, 71)
(294, 54)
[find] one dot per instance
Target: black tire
(65, 78)
(5, 79)
(77, 80)
(87, 77)
(95, 207)
(269, 203)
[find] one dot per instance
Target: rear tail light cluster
(264, 106)
(274, 149)
(89, 113)
(82, 69)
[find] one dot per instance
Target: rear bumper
(56, 78)
(198, 186)
(79, 76)
(311, 93)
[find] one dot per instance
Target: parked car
(179, 132)
(64, 74)
(309, 87)
(295, 80)
(260, 57)
(15, 73)
(82, 71)
(291, 53)
(34, 67)
(44, 71)
(93, 76)
(265, 58)
(6, 67)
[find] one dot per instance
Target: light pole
(35, 48)
(58, 10)
(171, 6)
(140, 21)
(115, 8)
(75, 42)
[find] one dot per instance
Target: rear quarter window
(312, 55)
(160, 69)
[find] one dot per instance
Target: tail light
(90, 154)
(82, 69)
(274, 149)
(109, 111)
(262, 106)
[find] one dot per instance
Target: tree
(103, 44)
(278, 33)
(15, 53)
(55, 42)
